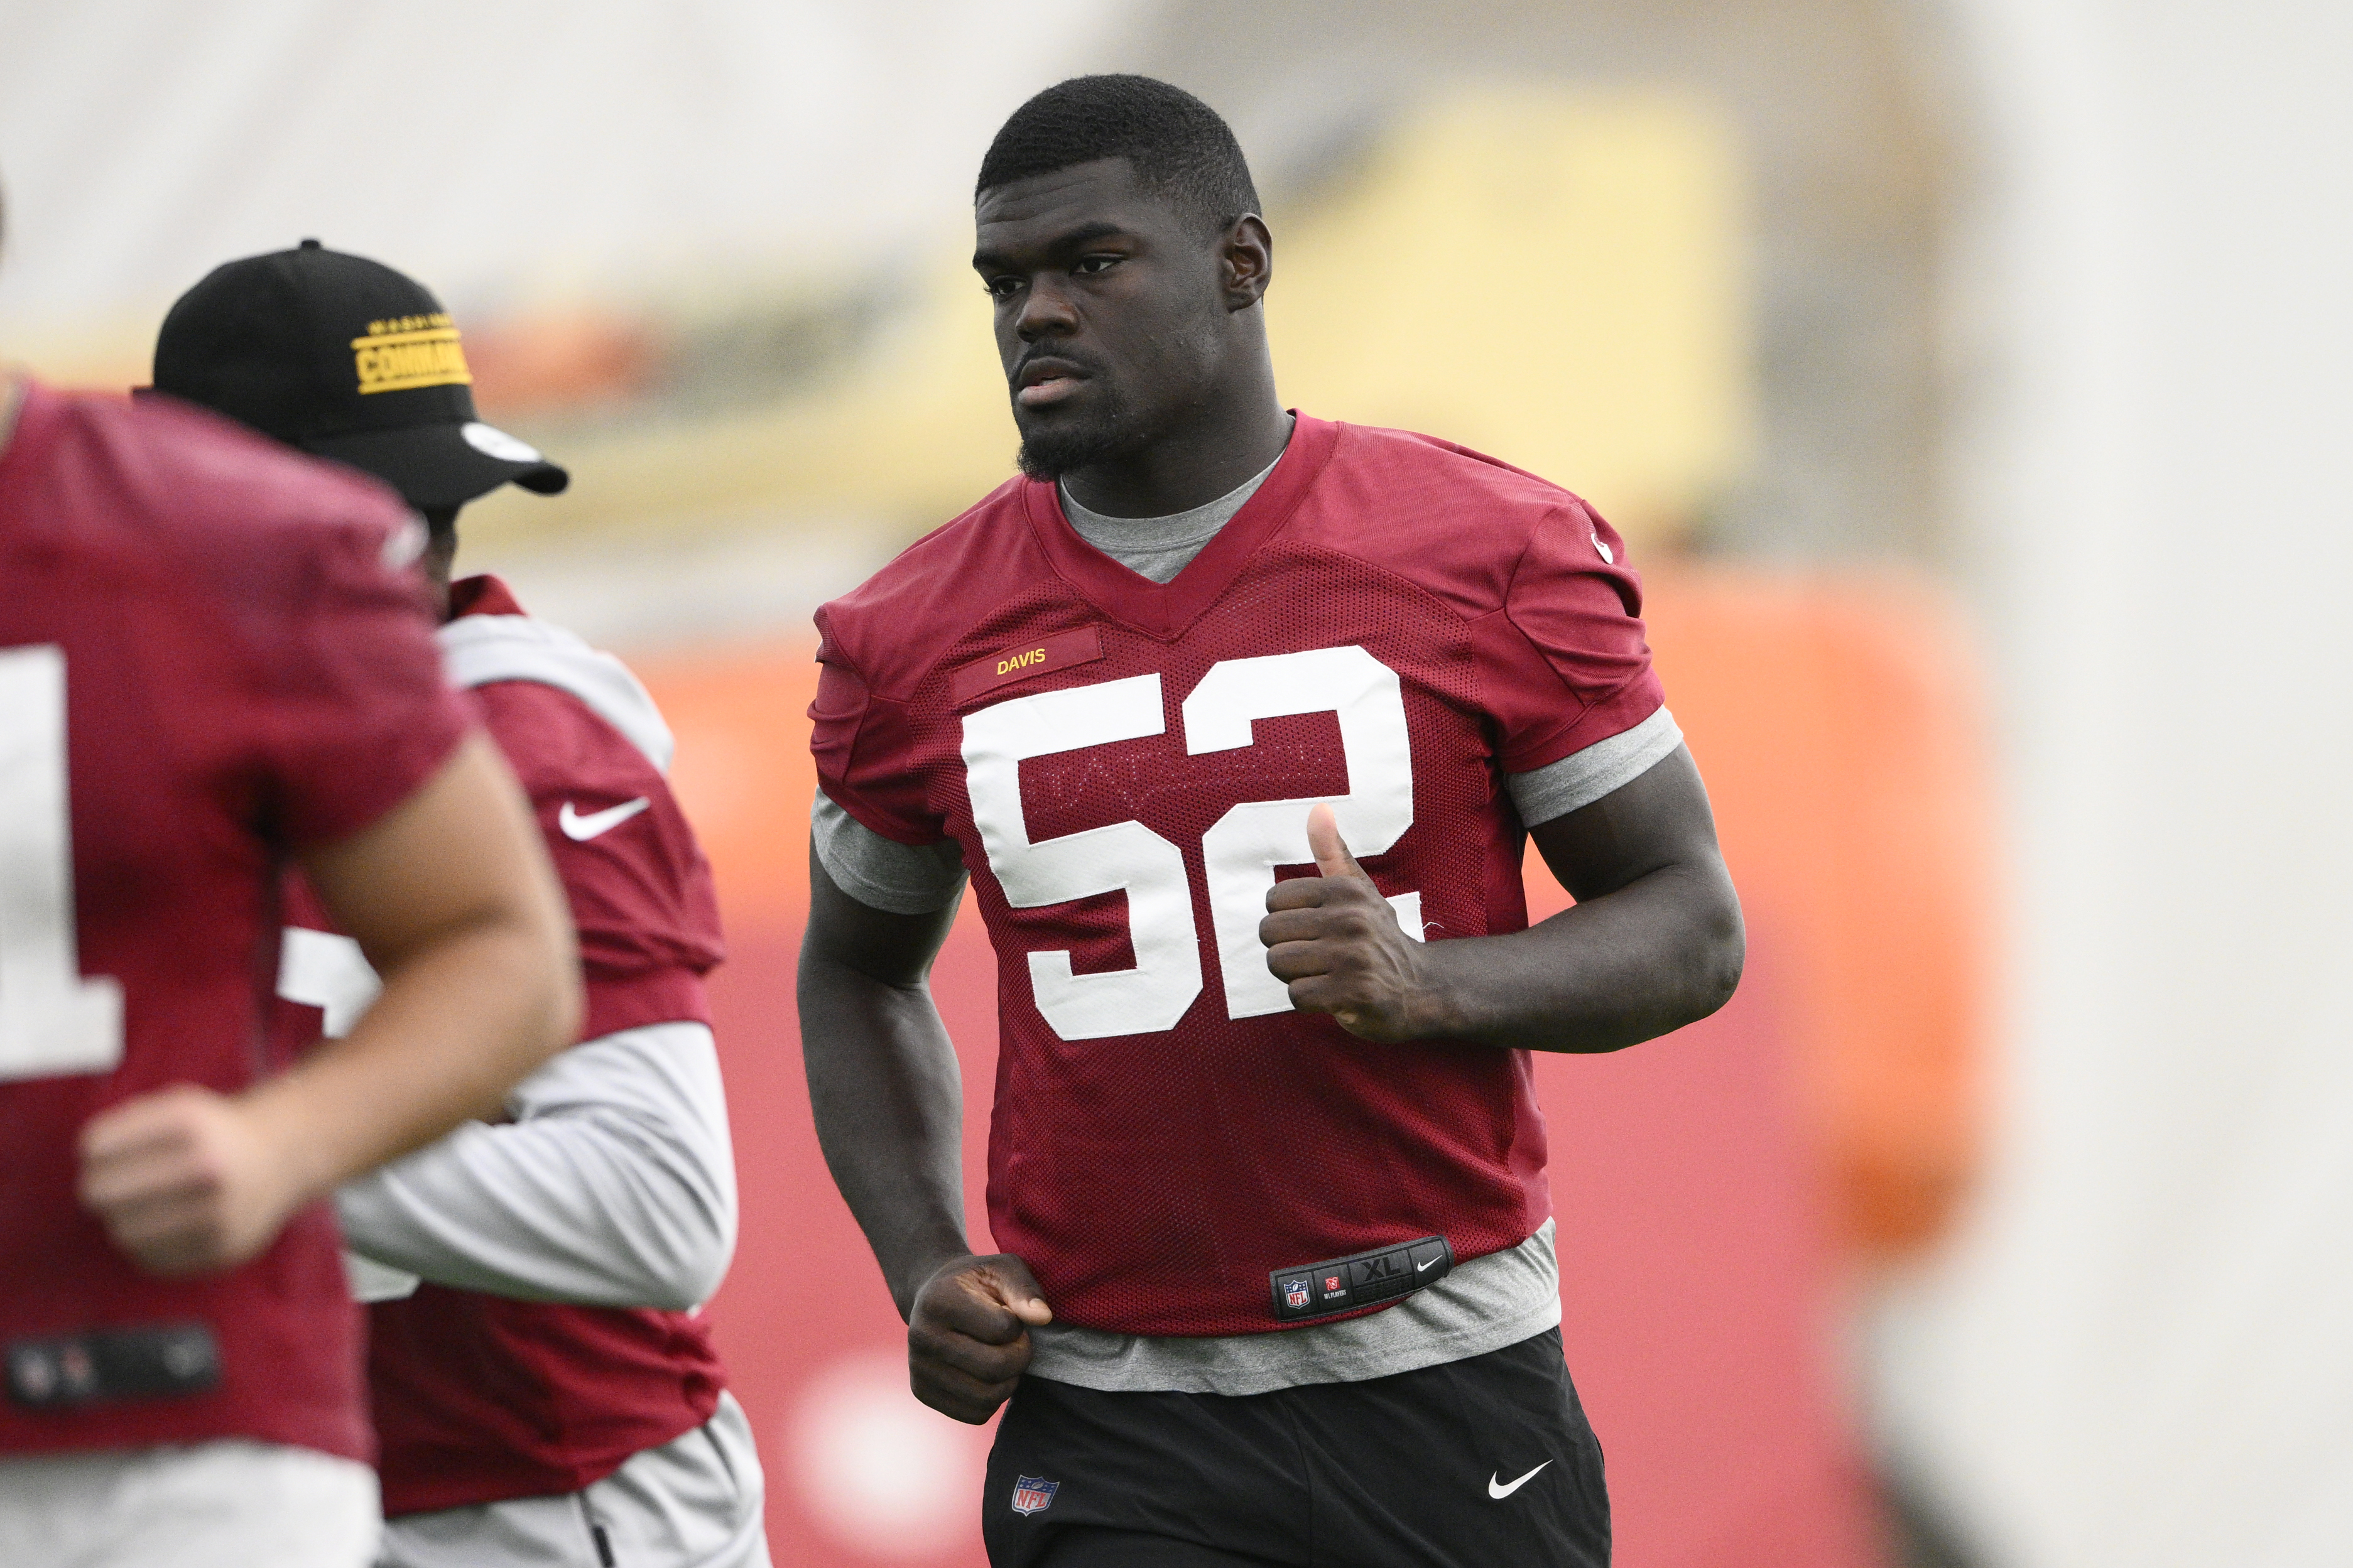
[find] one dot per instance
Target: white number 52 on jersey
(1238, 853)
(52, 1020)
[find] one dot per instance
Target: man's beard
(1051, 453)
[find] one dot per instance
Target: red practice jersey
(480, 1398)
(1390, 624)
(211, 653)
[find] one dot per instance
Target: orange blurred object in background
(1838, 723)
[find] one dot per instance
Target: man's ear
(1246, 256)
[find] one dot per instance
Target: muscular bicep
(1657, 820)
(887, 947)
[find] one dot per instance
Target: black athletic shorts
(1484, 1463)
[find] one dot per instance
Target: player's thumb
(1331, 850)
(1017, 1289)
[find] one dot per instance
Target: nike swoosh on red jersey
(580, 829)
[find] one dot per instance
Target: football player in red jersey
(214, 662)
(1237, 720)
(544, 1388)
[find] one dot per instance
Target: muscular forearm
(423, 1058)
(1660, 953)
(889, 1104)
(451, 899)
(1653, 942)
(890, 1116)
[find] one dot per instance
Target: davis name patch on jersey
(1033, 1494)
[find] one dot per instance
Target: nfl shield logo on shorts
(1294, 1293)
(1033, 1494)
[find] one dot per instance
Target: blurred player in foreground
(549, 1394)
(1280, 1283)
(214, 659)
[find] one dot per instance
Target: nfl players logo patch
(1294, 1293)
(1033, 1494)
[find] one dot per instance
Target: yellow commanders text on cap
(408, 352)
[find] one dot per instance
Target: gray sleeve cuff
(1583, 777)
(882, 873)
(613, 1186)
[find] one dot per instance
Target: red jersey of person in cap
(479, 1396)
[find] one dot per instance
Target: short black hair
(1177, 146)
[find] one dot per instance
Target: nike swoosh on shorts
(1500, 1489)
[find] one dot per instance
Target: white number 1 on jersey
(52, 1020)
(1238, 852)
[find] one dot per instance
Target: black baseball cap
(345, 358)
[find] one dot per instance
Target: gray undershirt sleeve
(882, 873)
(1583, 777)
(612, 1184)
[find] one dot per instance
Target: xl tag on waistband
(1344, 1284)
(65, 1370)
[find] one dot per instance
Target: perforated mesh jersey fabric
(1153, 1156)
(1152, 1180)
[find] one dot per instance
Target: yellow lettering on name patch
(397, 357)
(1059, 651)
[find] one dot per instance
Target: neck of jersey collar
(1163, 610)
(483, 596)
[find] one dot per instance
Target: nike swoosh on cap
(580, 829)
(1500, 1489)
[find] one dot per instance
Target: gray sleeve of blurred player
(906, 880)
(613, 1185)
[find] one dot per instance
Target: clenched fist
(187, 1179)
(1335, 941)
(968, 1334)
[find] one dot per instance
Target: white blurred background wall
(2139, 1351)
(508, 150)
